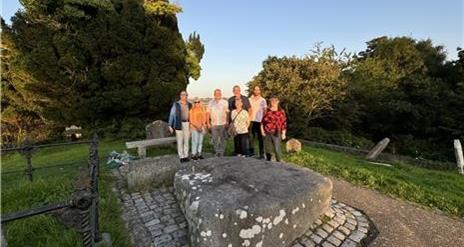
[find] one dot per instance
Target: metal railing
(84, 199)
(27, 149)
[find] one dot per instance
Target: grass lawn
(439, 189)
(443, 190)
(53, 185)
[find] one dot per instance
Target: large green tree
(96, 63)
(307, 86)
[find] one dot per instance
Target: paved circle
(155, 219)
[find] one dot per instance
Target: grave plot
(236, 201)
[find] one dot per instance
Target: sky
(238, 35)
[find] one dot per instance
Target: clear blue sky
(238, 35)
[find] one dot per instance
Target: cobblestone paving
(154, 219)
(341, 225)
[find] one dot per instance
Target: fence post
(3, 242)
(26, 151)
(94, 174)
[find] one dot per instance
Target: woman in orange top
(197, 127)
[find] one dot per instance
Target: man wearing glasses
(179, 121)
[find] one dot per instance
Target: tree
(453, 116)
(306, 86)
(96, 63)
(20, 117)
(195, 51)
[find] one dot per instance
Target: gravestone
(293, 146)
(459, 155)
(375, 152)
(157, 129)
(235, 201)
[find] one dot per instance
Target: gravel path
(401, 223)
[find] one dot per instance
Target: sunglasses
(197, 102)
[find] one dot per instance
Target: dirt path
(401, 223)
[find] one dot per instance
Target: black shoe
(195, 157)
(187, 159)
(200, 157)
(182, 160)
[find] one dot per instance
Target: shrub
(337, 137)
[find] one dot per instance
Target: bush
(421, 149)
(337, 137)
(129, 128)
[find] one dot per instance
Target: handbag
(232, 131)
(204, 130)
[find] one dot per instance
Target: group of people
(245, 119)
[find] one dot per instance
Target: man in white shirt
(217, 118)
(257, 110)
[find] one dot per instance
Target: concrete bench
(142, 145)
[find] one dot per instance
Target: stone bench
(142, 145)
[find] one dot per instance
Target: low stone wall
(150, 172)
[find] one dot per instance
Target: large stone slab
(234, 201)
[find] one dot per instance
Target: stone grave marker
(378, 148)
(157, 129)
(459, 155)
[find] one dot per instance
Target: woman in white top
(241, 120)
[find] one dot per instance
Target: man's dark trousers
(255, 132)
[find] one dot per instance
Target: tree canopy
(307, 86)
(398, 87)
(96, 63)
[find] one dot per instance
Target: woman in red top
(274, 129)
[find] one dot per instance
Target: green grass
(443, 190)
